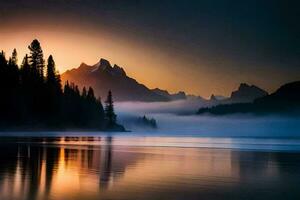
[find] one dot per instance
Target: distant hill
(217, 98)
(286, 94)
(285, 100)
(247, 93)
(177, 96)
(103, 77)
(244, 94)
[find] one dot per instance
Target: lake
(65, 166)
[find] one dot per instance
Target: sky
(202, 47)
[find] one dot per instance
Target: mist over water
(172, 121)
(176, 107)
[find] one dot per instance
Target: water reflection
(106, 172)
(69, 168)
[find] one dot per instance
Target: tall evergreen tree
(52, 77)
(91, 95)
(26, 88)
(77, 92)
(3, 68)
(3, 88)
(53, 91)
(3, 60)
(37, 58)
(14, 58)
(13, 73)
(38, 92)
(25, 72)
(110, 115)
(84, 93)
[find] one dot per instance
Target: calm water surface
(65, 168)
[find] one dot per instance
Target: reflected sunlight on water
(108, 168)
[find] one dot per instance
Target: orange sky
(200, 47)
(147, 63)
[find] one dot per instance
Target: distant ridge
(247, 93)
(103, 77)
(177, 96)
(285, 100)
(244, 94)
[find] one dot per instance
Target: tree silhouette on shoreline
(33, 99)
(110, 115)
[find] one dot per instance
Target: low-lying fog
(171, 121)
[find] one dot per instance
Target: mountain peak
(103, 64)
(247, 93)
(161, 92)
(288, 91)
(119, 70)
(83, 68)
(243, 86)
(103, 77)
(83, 65)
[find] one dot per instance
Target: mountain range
(285, 100)
(172, 97)
(244, 94)
(102, 77)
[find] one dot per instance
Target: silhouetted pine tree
(3, 60)
(94, 108)
(14, 58)
(14, 64)
(39, 94)
(77, 92)
(26, 88)
(13, 73)
(3, 78)
(53, 91)
(25, 72)
(12, 87)
(37, 58)
(3, 68)
(90, 95)
(53, 79)
(50, 78)
(110, 115)
(84, 93)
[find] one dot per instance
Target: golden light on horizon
(147, 63)
(201, 56)
(70, 49)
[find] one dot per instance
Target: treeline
(146, 122)
(33, 97)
